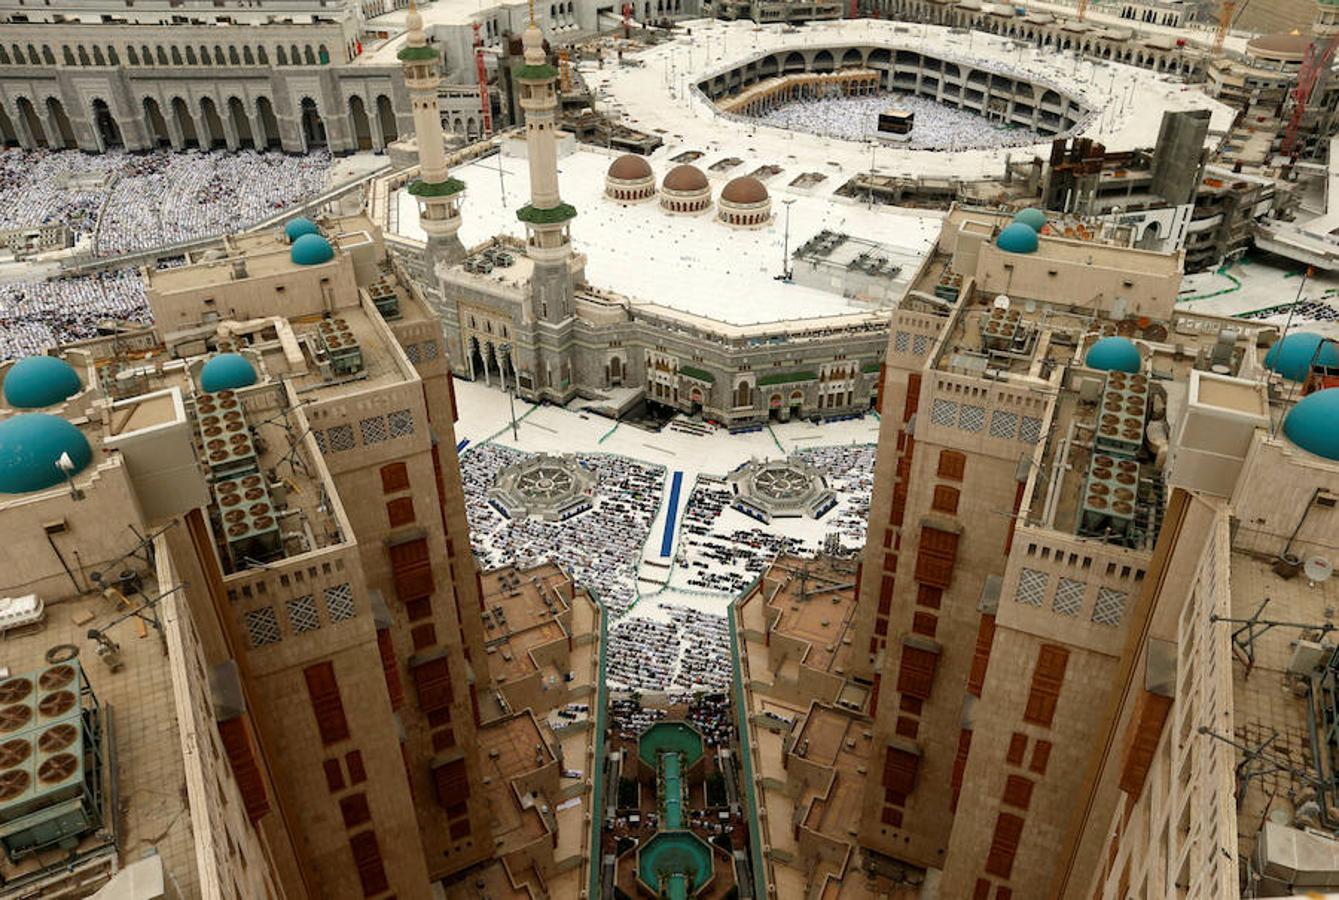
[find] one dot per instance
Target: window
(899, 770)
(339, 438)
(1003, 424)
(1110, 606)
(945, 499)
(1030, 431)
(929, 597)
(262, 627)
(400, 511)
(373, 429)
(423, 636)
(354, 760)
(1068, 596)
(323, 690)
(1017, 748)
(1017, 791)
(334, 775)
(394, 477)
(916, 672)
(1041, 757)
(367, 860)
(302, 615)
(339, 602)
(1031, 587)
(450, 782)
(235, 735)
(952, 464)
(924, 623)
(1004, 845)
(401, 423)
(909, 704)
(985, 638)
(432, 681)
(936, 556)
(943, 412)
(412, 570)
(1046, 681)
(354, 810)
(959, 767)
(971, 418)
(907, 727)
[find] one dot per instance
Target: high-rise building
(1042, 397)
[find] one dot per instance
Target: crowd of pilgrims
(119, 203)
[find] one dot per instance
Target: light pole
(785, 246)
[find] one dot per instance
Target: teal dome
(1313, 424)
(38, 381)
(311, 250)
(30, 444)
(1114, 354)
(1031, 217)
(226, 372)
(1017, 238)
(1292, 356)
(296, 228)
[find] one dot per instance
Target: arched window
(112, 57)
(263, 57)
(233, 56)
(47, 56)
(176, 56)
(67, 56)
(190, 55)
(247, 57)
(83, 56)
(281, 56)
(4, 56)
(132, 56)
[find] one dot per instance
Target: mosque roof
(1292, 356)
(1032, 218)
(296, 228)
(745, 189)
(311, 250)
(630, 167)
(38, 381)
(226, 372)
(1114, 354)
(1280, 43)
(685, 178)
(30, 446)
(1310, 424)
(1017, 238)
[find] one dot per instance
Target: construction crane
(1314, 66)
(1225, 16)
(485, 104)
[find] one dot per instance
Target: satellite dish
(1318, 569)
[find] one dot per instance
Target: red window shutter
(924, 623)
(354, 760)
(899, 770)
(881, 626)
(1004, 845)
(241, 752)
(423, 636)
(885, 595)
(945, 499)
(907, 727)
(451, 782)
(913, 396)
(451, 392)
(929, 597)
(389, 669)
(411, 567)
(334, 775)
(459, 830)
(952, 464)
(916, 673)
(985, 637)
(432, 682)
(959, 767)
(1046, 680)
(400, 511)
(394, 477)
(354, 809)
(326, 704)
(1141, 740)
(367, 860)
(892, 816)
(1017, 791)
(982, 890)
(1017, 747)
(936, 556)
(443, 739)
(1041, 757)
(909, 704)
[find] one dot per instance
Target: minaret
(438, 194)
(549, 240)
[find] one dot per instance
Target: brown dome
(630, 167)
(685, 179)
(1280, 45)
(744, 190)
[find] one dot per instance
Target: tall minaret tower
(438, 194)
(547, 217)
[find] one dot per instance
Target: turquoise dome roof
(311, 250)
(37, 381)
(1313, 424)
(1031, 217)
(1017, 238)
(30, 444)
(296, 228)
(1114, 354)
(1292, 356)
(226, 372)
